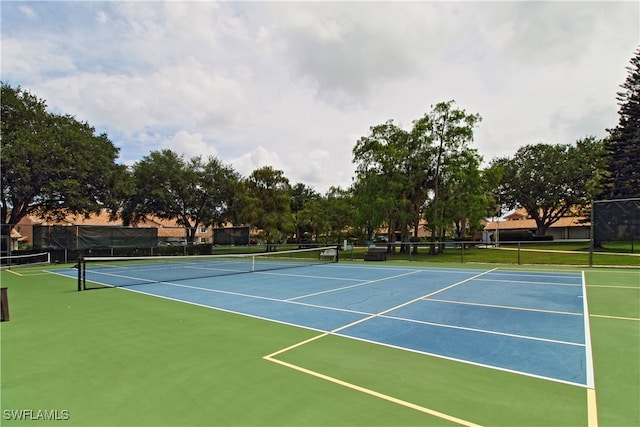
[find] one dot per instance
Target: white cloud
(347, 49)
(190, 145)
(30, 60)
(28, 12)
(184, 95)
(293, 85)
(313, 167)
(102, 17)
(255, 159)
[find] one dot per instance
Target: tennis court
(531, 325)
(528, 323)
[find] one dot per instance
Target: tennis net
(25, 260)
(97, 272)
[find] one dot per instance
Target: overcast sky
(294, 85)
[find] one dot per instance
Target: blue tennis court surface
(528, 323)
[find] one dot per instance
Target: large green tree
(451, 131)
(266, 204)
(391, 174)
(193, 192)
(330, 216)
(52, 164)
(402, 175)
(467, 192)
(378, 157)
(301, 196)
(340, 212)
(551, 181)
(623, 144)
(311, 220)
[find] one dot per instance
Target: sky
(294, 85)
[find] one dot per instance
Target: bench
(329, 253)
(376, 254)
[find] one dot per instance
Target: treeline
(427, 175)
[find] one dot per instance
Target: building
(567, 227)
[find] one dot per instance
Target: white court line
(614, 287)
(504, 306)
(592, 407)
(343, 266)
(624, 270)
(483, 331)
(352, 286)
(571, 272)
(529, 282)
(305, 276)
(604, 316)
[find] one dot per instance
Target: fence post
(4, 304)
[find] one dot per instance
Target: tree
(402, 175)
(218, 192)
(329, 216)
(390, 178)
(451, 129)
(314, 216)
(302, 195)
(339, 212)
(550, 181)
(623, 144)
(190, 191)
(267, 203)
(467, 192)
(378, 157)
(52, 165)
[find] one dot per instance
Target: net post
(337, 253)
(591, 231)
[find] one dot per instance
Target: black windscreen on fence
(231, 236)
(52, 237)
(116, 237)
(47, 237)
(616, 220)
